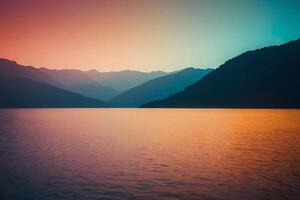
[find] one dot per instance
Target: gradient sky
(142, 35)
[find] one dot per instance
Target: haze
(141, 35)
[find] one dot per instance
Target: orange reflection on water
(159, 153)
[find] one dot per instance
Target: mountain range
(159, 88)
(10, 69)
(79, 82)
(27, 93)
(27, 86)
(263, 78)
(124, 80)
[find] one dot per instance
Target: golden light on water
(183, 153)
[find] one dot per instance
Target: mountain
(159, 88)
(123, 80)
(10, 69)
(263, 78)
(77, 81)
(27, 93)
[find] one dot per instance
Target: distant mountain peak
(189, 69)
(93, 71)
(123, 80)
(78, 81)
(159, 87)
(7, 61)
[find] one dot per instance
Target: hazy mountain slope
(123, 80)
(159, 88)
(23, 92)
(77, 81)
(267, 77)
(10, 69)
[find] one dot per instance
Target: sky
(112, 35)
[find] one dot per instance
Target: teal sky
(142, 35)
(217, 30)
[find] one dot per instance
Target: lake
(211, 154)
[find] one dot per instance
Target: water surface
(210, 154)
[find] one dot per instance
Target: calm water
(149, 154)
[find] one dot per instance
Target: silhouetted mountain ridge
(27, 93)
(123, 80)
(159, 88)
(77, 81)
(11, 69)
(267, 77)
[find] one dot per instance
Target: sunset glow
(142, 35)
